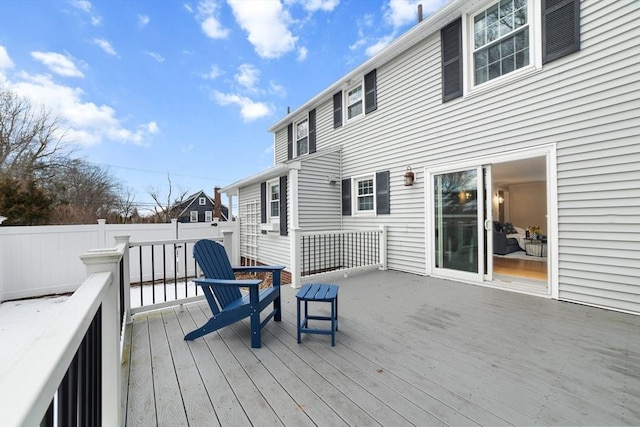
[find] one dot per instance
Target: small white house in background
(518, 112)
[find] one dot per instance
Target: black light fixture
(409, 177)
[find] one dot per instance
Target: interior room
(519, 211)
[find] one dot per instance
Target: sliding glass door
(457, 216)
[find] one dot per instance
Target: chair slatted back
(213, 260)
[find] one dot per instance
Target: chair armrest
(250, 283)
(257, 268)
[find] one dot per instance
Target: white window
(202, 201)
(355, 102)
(365, 195)
(302, 137)
(208, 216)
(273, 194)
(194, 216)
(500, 40)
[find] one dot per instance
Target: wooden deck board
(410, 350)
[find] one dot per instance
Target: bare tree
(31, 140)
(165, 208)
(84, 193)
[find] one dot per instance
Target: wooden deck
(410, 350)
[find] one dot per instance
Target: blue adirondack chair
(222, 291)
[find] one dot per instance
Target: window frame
(351, 88)
(270, 200)
(202, 201)
(534, 22)
(296, 152)
(191, 216)
(356, 211)
(208, 216)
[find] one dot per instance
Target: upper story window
(273, 192)
(500, 40)
(302, 137)
(507, 38)
(358, 100)
(193, 216)
(354, 102)
(202, 201)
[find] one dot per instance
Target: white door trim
(549, 152)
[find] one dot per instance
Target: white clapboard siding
(319, 203)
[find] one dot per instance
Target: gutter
(266, 175)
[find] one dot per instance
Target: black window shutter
(337, 110)
(560, 28)
(284, 230)
(312, 131)
(451, 48)
(263, 203)
(290, 141)
(383, 206)
(370, 92)
(346, 196)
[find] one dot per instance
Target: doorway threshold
(521, 284)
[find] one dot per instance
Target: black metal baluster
(153, 276)
(140, 262)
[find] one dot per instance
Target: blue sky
(186, 89)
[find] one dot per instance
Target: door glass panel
(456, 220)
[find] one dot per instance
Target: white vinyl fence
(44, 260)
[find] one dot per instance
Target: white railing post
(296, 278)
(107, 261)
(102, 240)
(383, 247)
(126, 279)
(227, 242)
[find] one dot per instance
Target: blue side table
(320, 292)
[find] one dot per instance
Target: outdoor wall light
(409, 177)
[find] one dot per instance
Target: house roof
(259, 177)
(433, 23)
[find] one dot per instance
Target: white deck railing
(34, 388)
(83, 345)
(324, 252)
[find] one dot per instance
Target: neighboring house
(523, 111)
(199, 207)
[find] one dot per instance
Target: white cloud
(207, 16)
(248, 76)
(86, 123)
(86, 7)
(213, 73)
(402, 12)
(5, 60)
(156, 56)
(249, 109)
(266, 25)
(302, 54)
(276, 89)
(83, 5)
(58, 63)
(316, 5)
(106, 46)
(143, 20)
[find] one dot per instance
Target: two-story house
(518, 111)
(199, 207)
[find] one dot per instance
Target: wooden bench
(317, 292)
